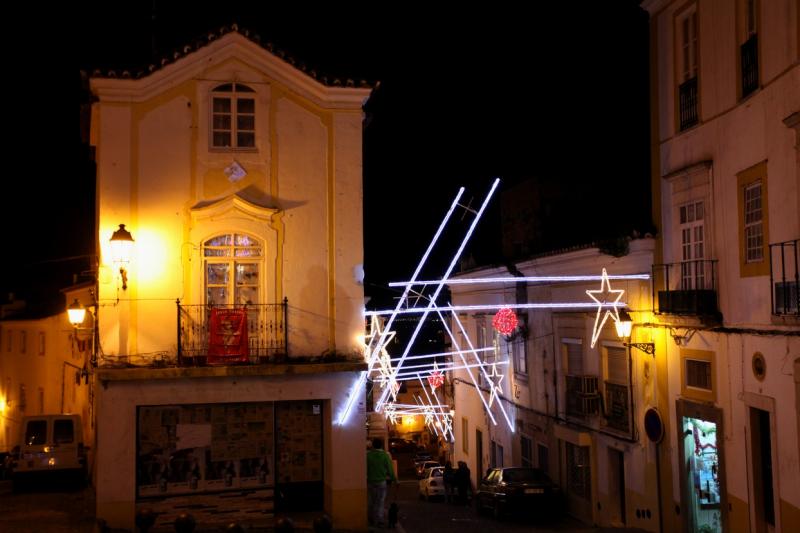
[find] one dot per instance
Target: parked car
(397, 444)
(49, 444)
(518, 490)
(423, 466)
(421, 457)
(432, 483)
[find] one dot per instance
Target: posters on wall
(205, 447)
(299, 441)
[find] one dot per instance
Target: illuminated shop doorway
(700, 446)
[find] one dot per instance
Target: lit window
(232, 269)
(233, 116)
(753, 216)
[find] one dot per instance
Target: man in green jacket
(379, 471)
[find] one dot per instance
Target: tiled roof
(211, 36)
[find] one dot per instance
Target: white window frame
(235, 98)
(691, 220)
(687, 35)
(754, 228)
(233, 261)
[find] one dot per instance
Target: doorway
(616, 485)
(479, 473)
(763, 479)
(700, 448)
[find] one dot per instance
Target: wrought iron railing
(749, 51)
(784, 278)
(687, 94)
(581, 395)
(266, 334)
(617, 407)
(686, 288)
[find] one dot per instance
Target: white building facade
(231, 338)
(726, 192)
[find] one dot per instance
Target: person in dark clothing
(463, 482)
(449, 482)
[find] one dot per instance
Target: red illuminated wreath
(505, 321)
(435, 379)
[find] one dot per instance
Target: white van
(49, 443)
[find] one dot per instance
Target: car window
(63, 432)
(493, 476)
(524, 475)
(36, 432)
(436, 472)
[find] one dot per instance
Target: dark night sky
(466, 95)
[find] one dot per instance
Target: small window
(63, 432)
(753, 224)
(233, 116)
(42, 340)
(465, 435)
(36, 432)
(519, 354)
(23, 341)
(573, 350)
(698, 374)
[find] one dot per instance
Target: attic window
(233, 116)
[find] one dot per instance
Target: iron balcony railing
(749, 51)
(581, 395)
(618, 414)
(687, 93)
(208, 335)
(784, 278)
(686, 288)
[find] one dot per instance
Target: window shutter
(574, 358)
(617, 364)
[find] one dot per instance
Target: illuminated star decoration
(436, 379)
(447, 423)
(429, 416)
(505, 321)
(495, 377)
(604, 296)
(390, 413)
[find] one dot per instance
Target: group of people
(457, 487)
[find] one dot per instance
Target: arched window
(232, 263)
(233, 116)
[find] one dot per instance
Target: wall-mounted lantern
(121, 249)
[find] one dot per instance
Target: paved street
(61, 509)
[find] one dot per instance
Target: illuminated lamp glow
(505, 321)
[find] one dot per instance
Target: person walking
(379, 471)
(449, 482)
(463, 482)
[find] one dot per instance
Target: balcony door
(692, 229)
(232, 263)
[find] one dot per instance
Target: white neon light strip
(527, 279)
(440, 354)
(439, 288)
(412, 406)
(497, 307)
(430, 402)
(444, 417)
(362, 378)
(463, 360)
(459, 367)
(485, 376)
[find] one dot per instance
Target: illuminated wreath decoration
(505, 321)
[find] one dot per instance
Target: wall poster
(185, 449)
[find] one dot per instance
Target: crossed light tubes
(388, 371)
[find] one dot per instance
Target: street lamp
(76, 313)
(121, 248)
(624, 327)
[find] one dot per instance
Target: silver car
(432, 483)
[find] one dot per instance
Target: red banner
(228, 337)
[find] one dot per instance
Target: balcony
(784, 278)
(582, 397)
(749, 55)
(687, 95)
(232, 334)
(686, 288)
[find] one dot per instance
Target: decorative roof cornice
(115, 85)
